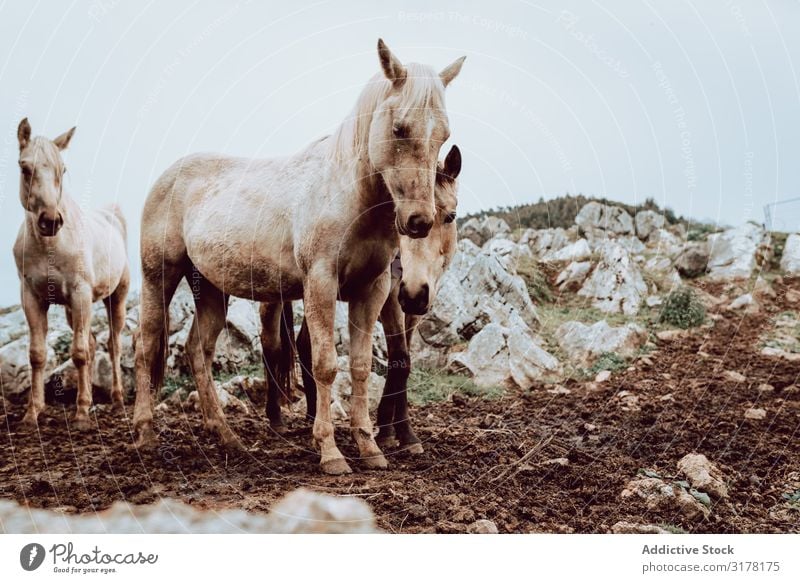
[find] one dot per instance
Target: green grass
(608, 361)
(536, 281)
(425, 386)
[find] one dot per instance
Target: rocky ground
(579, 387)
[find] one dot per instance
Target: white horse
(67, 256)
(318, 225)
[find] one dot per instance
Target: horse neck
(373, 195)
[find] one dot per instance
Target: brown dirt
(471, 468)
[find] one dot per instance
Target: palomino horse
(67, 256)
(318, 225)
(414, 285)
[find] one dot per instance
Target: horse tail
(284, 368)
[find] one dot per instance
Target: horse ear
(391, 65)
(451, 71)
(24, 134)
(62, 141)
(452, 164)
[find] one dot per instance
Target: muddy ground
(473, 446)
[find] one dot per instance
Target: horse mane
(422, 86)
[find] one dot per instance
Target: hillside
(561, 212)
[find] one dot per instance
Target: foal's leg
(402, 424)
(36, 314)
(397, 353)
(319, 298)
(211, 306)
(304, 354)
(158, 287)
(270, 315)
(115, 308)
(363, 315)
(80, 315)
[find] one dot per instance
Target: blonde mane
(44, 150)
(423, 84)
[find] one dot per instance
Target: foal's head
(425, 260)
(407, 129)
(41, 175)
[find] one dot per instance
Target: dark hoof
(387, 441)
(375, 462)
(335, 467)
(278, 428)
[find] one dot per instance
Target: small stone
(670, 335)
(703, 474)
(602, 376)
(667, 397)
(734, 377)
(559, 390)
(765, 388)
(559, 461)
(756, 414)
(590, 427)
(482, 526)
(623, 527)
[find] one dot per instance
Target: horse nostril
(419, 225)
(47, 226)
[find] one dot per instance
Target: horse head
(408, 127)
(41, 177)
(425, 260)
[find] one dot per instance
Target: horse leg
(363, 315)
(211, 306)
(306, 365)
(319, 298)
(115, 308)
(270, 315)
(36, 314)
(392, 320)
(158, 287)
(80, 315)
(402, 424)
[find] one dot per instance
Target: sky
(695, 104)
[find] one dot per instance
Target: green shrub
(683, 309)
(426, 386)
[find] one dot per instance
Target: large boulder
(616, 284)
(573, 275)
(478, 288)
(584, 344)
(790, 261)
(693, 260)
(597, 220)
(500, 356)
(542, 241)
(647, 222)
(301, 511)
(733, 252)
(480, 231)
(577, 251)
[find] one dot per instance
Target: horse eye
(450, 217)
(399, 132)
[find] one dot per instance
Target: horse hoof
(279, 428)
(413, 448)
(147, 438)
(336, 467)
(81, 424)
(386, 441)
(375, 462)
(233, 445)
(29, 422)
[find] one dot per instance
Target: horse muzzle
(415, 304)
(49, 226)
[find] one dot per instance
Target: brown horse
(318, 225)
(414, 285)
(67, 256)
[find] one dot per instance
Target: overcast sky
(696, 104)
